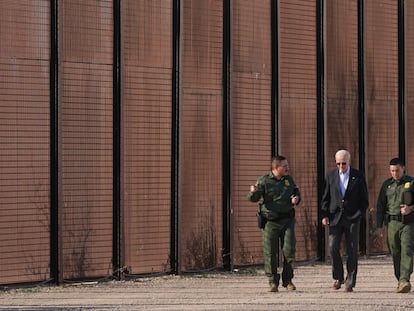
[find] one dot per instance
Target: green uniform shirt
(391, 197)
(276, 193)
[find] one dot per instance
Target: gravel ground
(244, 289)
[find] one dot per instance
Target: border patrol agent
(397, 215)
(278, 194)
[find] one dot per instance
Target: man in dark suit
(344, 203)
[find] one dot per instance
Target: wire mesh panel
(86, 50)
(251, 121)
(381, 96)
(298, 114)
(342, 87)
(24, 141)
(341, 80)
(200, 175)
(146, 134)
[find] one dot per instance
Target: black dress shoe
(337, 284)
(348, 289)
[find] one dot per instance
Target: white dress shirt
(343, 180)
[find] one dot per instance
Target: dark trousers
(351, 233)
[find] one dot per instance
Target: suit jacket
(352, 205)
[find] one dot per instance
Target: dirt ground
(243, 289)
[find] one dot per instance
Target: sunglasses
(341, 163)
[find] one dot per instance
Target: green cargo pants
(284, 231)
(401, 245)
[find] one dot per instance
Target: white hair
(343, 152)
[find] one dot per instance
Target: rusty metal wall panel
(341, 80)
(200, 218)
(409, 84)
(381, 97)
(146, 134)
(341, 84)
(298, 113)
(251, 121)
(24, 141)
(86, 34)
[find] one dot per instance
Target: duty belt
(395, 217)
(273, 216)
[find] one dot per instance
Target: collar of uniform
(273, 176)
(404, 179)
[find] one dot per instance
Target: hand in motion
(379, 233)
(405, 209)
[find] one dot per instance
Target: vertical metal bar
(55, 274)
(275, 76)
(226, 156)
(175, 138)
(116, 244)
(401, 80)
(320, 118)
(274, 102)
(364, 232)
